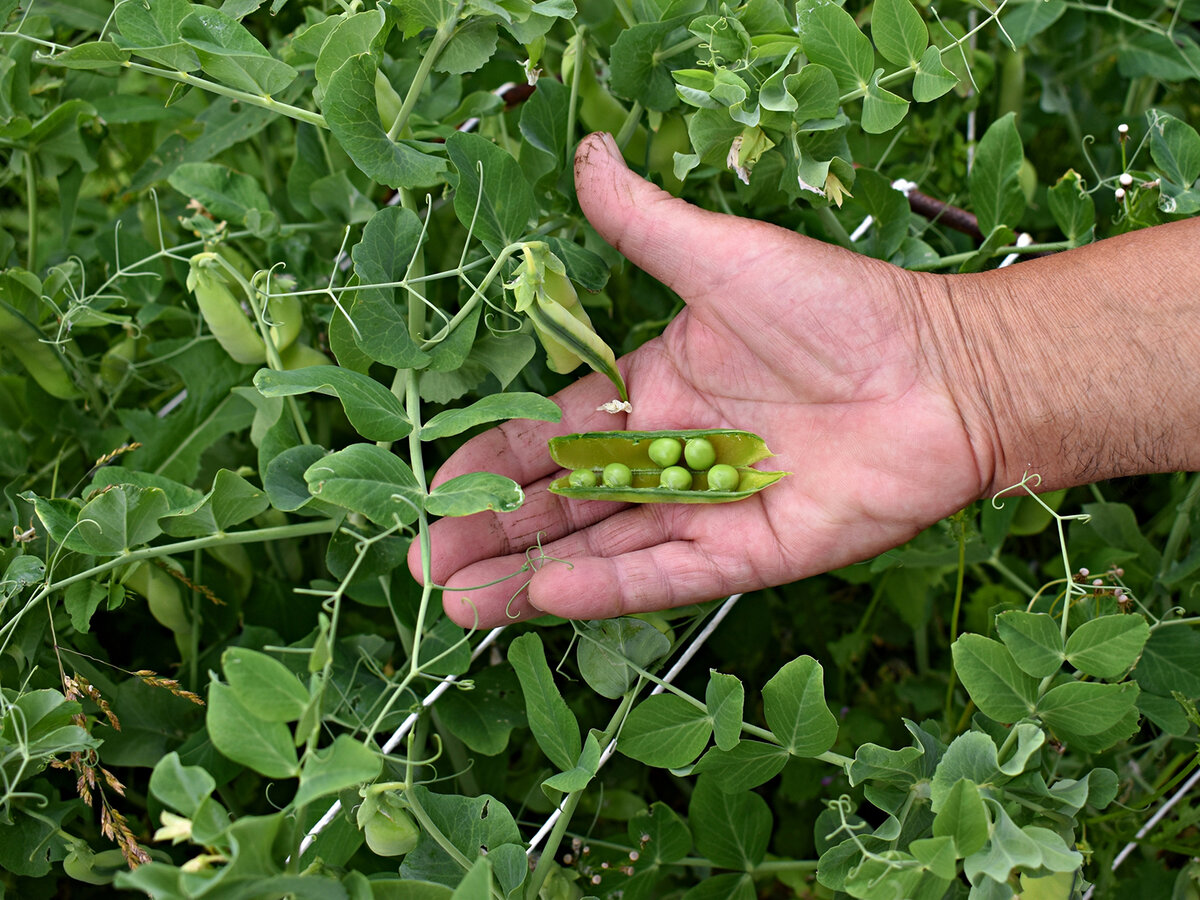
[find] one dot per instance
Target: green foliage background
(206, 627)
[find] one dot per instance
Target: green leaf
(727, 886)
(553, 724)
(887, 207)
(349, 109)
(484, 718)
(80, 600)
(389, 243)
(1073, 208)
(475, 826)
(830, 38)
(543, 124)
(476, 883)
(962, 816)
(264, 684)
(899, 31)
(937, 854)
(492, 408)
(725, 698)
(744, 766)
(182, 788)
(607, 646)
(1026, 21)
(102, 56)
(730, 829)
(474, 492)
(152, 30)
(1174, 147)
(225, 193)
(352, 35)
(1001, 236)
(473, 44)
(933, 79)
(882, 110)
(372, 409)
(1033, 639)
(668, 838)
(1085, 708)
(816, 92)
(346, 763)
(284, 479)
(265, 747)
(1106, 647)
(665, 731)
(370, 480)
(996, 193)
(636, 71)
(121, 518)
(231, 54)
(580, 775)
(1008, 849)
(993, 679)
(876, 763)
(973, 756)
(1168, 662)
(231, 501)
(492, 195)
(795, 709)
(1029, 739)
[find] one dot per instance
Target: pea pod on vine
(222, 310)
(543, 292)
(628, 466)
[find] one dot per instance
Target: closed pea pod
(222, 310)
(650, 482)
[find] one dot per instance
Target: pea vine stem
(440, 39)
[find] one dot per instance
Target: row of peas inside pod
(702, 466)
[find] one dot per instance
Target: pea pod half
(595, 450)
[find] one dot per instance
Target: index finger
(518, 448)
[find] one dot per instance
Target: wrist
(1081, 366)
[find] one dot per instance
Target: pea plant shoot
(265, 264)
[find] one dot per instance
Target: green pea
(677, 478)
(584, 478)
(699, 453)
(723, 478)
(665, 451)
(617, 475)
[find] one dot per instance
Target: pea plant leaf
(348, 105)
(725, 697)
(390, 241)
(231, 54)
(992, 677)
(637, 72)
(1034, 641)
(367, 479)
(795, 709)
(371, 408)
(743, 766)
(1168, 662)
(231, 501)
(152, 31)
(226, 194)
(1174, 147)
(553, 724)
(996, 193)
(1073, 209)
(1085, 708)
(264, 684)
(933, 79)
(963, 817)
(345, 763)
(183, 788)
(266, 747)
(121, 518)
(474, 492)
(1108, 646)
(898, 31)
(831, 39)
(730, 829)
(606, 648)
(666, 731)
(492, 408)
(492, 198)
(882, 110)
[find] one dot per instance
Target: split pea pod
(602, 452)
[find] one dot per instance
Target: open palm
(827, 355)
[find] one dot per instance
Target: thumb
(691, 250)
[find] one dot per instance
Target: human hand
(822, 352)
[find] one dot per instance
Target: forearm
(1080, 366)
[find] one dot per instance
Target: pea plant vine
(264, 266)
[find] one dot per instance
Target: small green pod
(596, 451)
